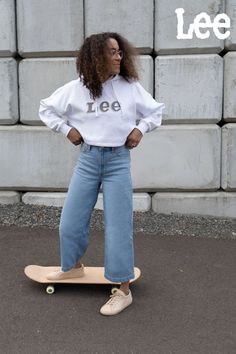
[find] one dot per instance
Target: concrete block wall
(186, 166)
(9, 112)
(195, 82)
(49, 27)
(7, 28)
(38, 78)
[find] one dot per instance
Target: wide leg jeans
(108, 167)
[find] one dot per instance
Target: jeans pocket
(122, 151)
(84, 148)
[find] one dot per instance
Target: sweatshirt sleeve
(148, 108)
(53, 110)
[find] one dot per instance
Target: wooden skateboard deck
(93, 275)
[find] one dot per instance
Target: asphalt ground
(184, 302)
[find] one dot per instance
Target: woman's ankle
(125, 287)
(78, 265)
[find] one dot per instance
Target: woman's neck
(109, 77)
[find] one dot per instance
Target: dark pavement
(184, 302)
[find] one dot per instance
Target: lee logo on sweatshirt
(104, 106)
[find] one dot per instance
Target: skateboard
(93, 275)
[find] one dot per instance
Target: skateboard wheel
(113, 290)
(50, 289)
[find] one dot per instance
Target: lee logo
(197, 24)
(104, 106)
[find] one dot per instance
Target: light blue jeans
(109, 167)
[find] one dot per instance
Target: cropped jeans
(109, 167)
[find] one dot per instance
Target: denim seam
(129, 277)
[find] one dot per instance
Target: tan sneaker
(60, 275)
(117, 302)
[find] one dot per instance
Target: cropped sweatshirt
(107, 120)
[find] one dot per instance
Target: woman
(98, 110)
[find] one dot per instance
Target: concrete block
(9, 197)
(219, 204)
(178, 157)
(166, 41)
(38, 78)
(191, 87)
(55, 199)
(34, 158)
(228, 171)
(133, 19)
(145, 69)
(56, 27)
(7, 28)
(8, 91)
(99, 203)
(169, 158)
(230, 9)
(141, 201)
(230, 87)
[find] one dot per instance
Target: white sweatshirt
(109, 119)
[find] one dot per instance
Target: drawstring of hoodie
(117, 98)
(96, 103)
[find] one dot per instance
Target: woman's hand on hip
(75, 137)
(133, 139)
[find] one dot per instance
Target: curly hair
(91, 61)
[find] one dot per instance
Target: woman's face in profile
(113, 57)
